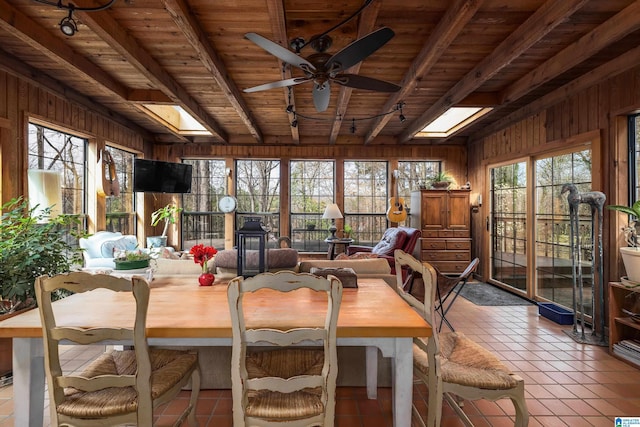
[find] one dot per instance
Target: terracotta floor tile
(566, 383)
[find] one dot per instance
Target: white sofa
(99, 247)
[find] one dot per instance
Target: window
(414, 173)
(634, 161)
(53, 150)
(554, 280)
(365, 200)
(311, 189)
(202, 221)
(508, 224)
(121, 209)
(258, 193)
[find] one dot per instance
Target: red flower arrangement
(202, 254)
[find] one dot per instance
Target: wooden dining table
(181, 313)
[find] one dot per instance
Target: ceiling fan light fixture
(68, 25)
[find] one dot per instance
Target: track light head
(353, 126)
(289, 109)
(294, 123)
(68, 25)
(402, 118)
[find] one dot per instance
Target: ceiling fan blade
(280, 52)
(360, 49)
(321, 95)
(367, 83)
(281, 83)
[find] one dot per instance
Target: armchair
(404, 238)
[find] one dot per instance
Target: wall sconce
(476, 206)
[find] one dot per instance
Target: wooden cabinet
(444, 218)
(621, 325)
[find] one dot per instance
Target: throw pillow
(392, 239)
(125, 243)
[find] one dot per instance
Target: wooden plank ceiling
(193, 53)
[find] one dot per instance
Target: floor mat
(481, 293)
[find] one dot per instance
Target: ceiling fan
(322, 68)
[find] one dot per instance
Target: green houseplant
(631, 253)
(441, 180)
(169, 214)
(31, 245)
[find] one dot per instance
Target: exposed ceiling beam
(622, 63)
(279, 30)
(39, 38)
(120, 40)
(148, 96)
(12, 65)
(545, 19)
(192, 30)
(453, 21)
(612, 30)
(365, 26)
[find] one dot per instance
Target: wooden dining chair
(453, 366)
(118, 387)
(285, 385)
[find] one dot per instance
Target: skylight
(452, 120)
(175, 118)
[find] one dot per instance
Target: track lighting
(353, 125)
(401, 117)
(294, 123)
(68, 25)
(289, 109)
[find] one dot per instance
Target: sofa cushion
(125, 243)
(392, 239)
(357, 255)
(276, 258)
(373, 266)
(92, 245)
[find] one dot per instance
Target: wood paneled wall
(21, 101)
(597, 112)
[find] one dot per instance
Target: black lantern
(251, 239)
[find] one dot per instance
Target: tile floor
(567, 384)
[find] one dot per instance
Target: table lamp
(332, 212)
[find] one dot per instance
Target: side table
(344, 243)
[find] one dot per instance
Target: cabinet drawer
(431, 244)
(453, 245)
(450, 267)
(430, 233)
(446, 256)
(462, 233)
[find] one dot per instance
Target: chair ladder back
(284, 281)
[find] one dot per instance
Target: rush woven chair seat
(280, 384)
(118, 387)
(453, 366)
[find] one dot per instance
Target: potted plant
(32, 245)
(442, 180)
(130, 260)
(631, 253)
(346, 231)
(169, 214)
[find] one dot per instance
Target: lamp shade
(332, 211)
(45, 190)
